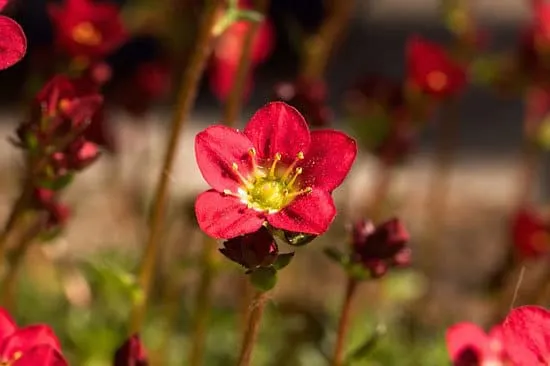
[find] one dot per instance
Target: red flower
(469, 345)
(380, 247)
(530, 234)
(308, 96)
(526, 335)
(432, 70)
(131, 353)
(35, 345)
(227, 55)
(87, 29)
(253, 250)
(275, 171)
(13, 43)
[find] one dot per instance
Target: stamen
(252, 153)
(299, 156)
(276, 159)
(244, 180)
(293, 179)
(295, 194)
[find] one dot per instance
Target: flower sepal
(232, 15)
(58, 182)
(296, 239)
(354, 270)
(264, 278)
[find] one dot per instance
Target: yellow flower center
(87, 34)
(437, 80)
(269, 189)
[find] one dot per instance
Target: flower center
(87, 34)
(437, 80)
(269, 189)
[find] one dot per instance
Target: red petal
(43, 355)
(311, 213)
(7, 325)
(3, 4)
(329, 159)
(278, 128)
(225, 217)
(526, 333)
(26, 338)
(13, 43)
(216, 149)
(463, 336)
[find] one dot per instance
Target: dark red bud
(131, 353)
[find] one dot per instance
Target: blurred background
(87, 298)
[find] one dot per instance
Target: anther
(276, 159)
(299, 156)
(252, 154)
(293, 179)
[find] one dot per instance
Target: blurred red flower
(469, 345)
(275, 171)
(526, 336)
(530, 233)
(380, 247)
(87, 29)
(34, 345)
(227, 54)
(431, 69)
(131, 353)
(13, 43)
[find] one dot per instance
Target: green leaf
(364, 350)
(337, 256)
(298, 239)
(57, 184)
(249, 15)
(283, 260)
(264, 278)
(357, 271)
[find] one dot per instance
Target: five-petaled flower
(530, 233)
(469, 345)
(274, 172)
(13, 43)
(131, 353)
(380, 247)
(431, 69)
(34, 345)
(87, 29)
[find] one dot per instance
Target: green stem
(9, 282)
(343, 324)
(256, 310)
(186, 99)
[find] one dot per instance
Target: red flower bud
(131, 353)
(380, 247)
(253, 250)
(530, 233)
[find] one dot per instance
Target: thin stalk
(232, 112)
(9, 282)
(186, 99)
(320, 46)
(256, 310)
(344, 322)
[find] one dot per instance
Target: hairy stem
(255, 314)
(186, 99)
(343, 325)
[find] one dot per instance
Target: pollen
(437, 80)
(271, 185)
(86, 34)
